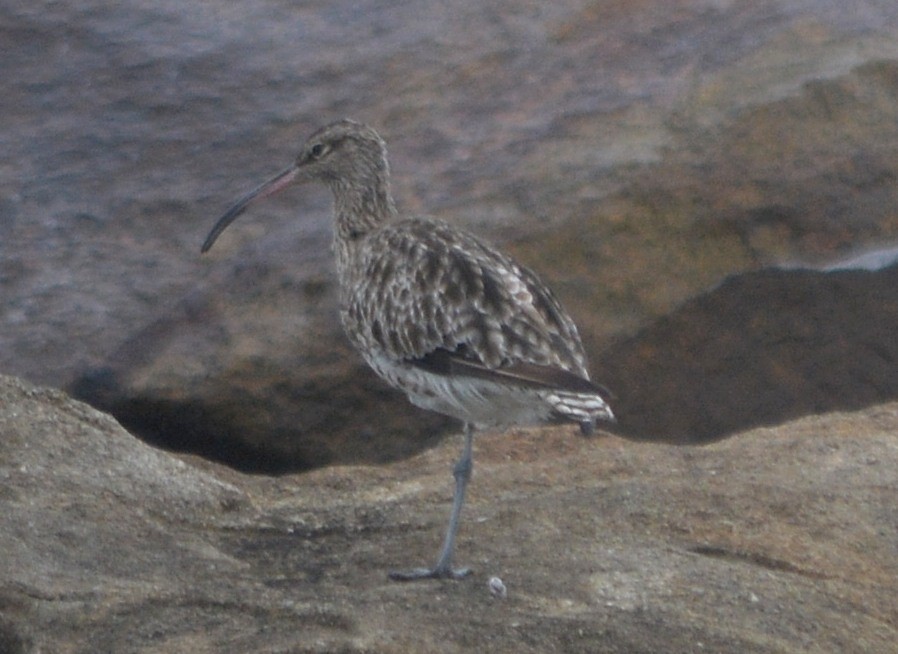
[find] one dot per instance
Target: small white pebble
(497, 588)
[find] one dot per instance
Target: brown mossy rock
(776, 540)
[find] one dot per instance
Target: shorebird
(437, 313)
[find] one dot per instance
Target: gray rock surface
(776, 540)
(635, 154)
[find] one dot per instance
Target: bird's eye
(317, 150)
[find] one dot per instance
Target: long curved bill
(274, 185)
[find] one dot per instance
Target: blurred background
(708, 185)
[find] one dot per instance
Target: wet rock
(775, 540)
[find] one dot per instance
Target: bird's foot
(430, 573)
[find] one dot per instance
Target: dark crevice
(755, 558)
(312, 430)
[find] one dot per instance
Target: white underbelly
(478, 401)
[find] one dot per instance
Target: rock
(634, 154)
(261, 388)
(761, 348)
(873, 260)
(776, 540)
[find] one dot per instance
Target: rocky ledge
(776, 540)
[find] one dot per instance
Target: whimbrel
(437, 313)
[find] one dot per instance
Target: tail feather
(585, 409)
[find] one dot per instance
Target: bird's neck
(359, 208)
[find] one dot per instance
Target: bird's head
(343, 153)
(348, 156)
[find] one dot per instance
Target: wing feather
(424, 286)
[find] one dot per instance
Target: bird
(437, 312)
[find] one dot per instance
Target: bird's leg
(443, 568)
(462, 474)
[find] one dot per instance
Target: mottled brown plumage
(437, 313)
